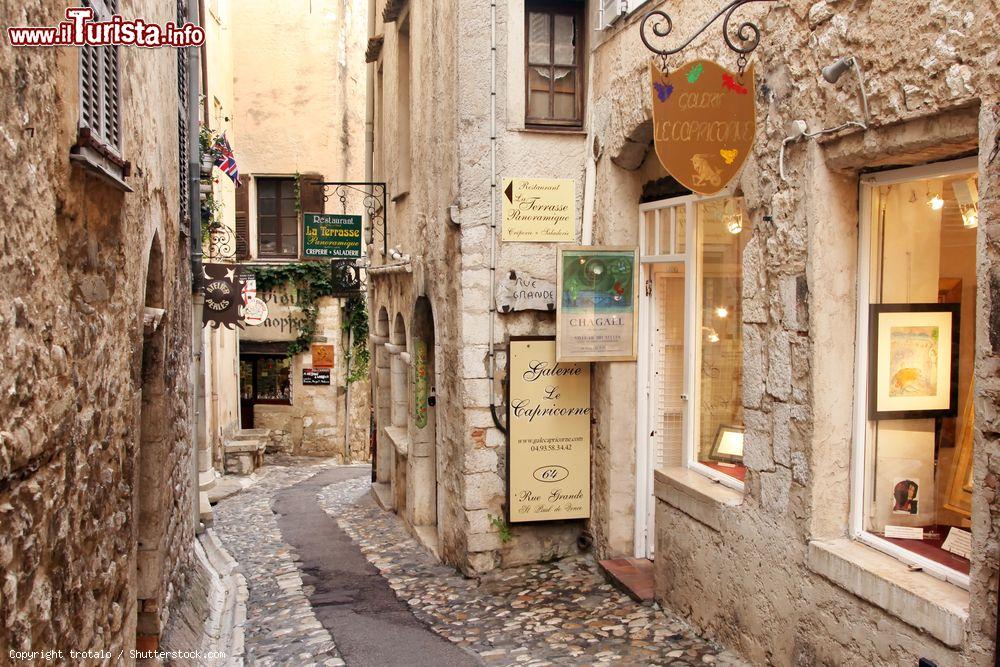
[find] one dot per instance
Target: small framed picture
(728, 446)
(913, 360)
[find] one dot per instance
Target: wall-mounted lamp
(732, 215)
(798, 129)
(967, 195)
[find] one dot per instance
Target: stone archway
(382, 400)
(399, 412)
(150, 502)
(423, 464)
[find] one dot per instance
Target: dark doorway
(264, 378)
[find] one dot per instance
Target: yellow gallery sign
(539, 209)
(548, 430)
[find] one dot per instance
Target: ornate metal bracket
(372, 196)
(659, 23)
(220, 243)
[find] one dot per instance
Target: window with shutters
(99, 141)
(277, 218)
(553, 64)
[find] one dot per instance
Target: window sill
(916, 598)
(95, 167)
(555, 129)
(695, 494)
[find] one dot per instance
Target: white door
(665, 404)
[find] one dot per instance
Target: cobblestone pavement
(548, 614)
(281, 628)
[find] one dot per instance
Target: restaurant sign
(597, 318)
(548, 434)
(328, 235)
(538, 209)
(704, 122)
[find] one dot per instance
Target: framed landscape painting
(913, 360)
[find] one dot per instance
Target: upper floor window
(277, 219)
(553, 60)
(99, 142)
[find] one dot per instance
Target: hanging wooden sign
(704, 122)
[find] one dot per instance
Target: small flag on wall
(225, 160)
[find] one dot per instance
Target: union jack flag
(225, 160)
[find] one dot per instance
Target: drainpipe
(194, 74)
(493, 214)
(369, 177)
(590, 168)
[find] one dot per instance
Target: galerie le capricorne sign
(704, 122)
(548, 431)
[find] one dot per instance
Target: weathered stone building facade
(293, 117)
(97, 513)
(782, 555)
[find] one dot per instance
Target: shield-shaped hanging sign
(704, 120)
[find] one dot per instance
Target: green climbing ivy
(311, 282)
(356, 356)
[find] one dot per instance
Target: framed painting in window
(913, 360)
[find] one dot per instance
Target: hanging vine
(311, 282)
(356, 355)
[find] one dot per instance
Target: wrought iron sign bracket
(659, 23)
(373, 200)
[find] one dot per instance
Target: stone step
(251, 434)
(236, 446)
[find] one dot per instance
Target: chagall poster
(548, 434)
(596, 319)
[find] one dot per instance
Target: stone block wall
(71, 346)
(749, 580)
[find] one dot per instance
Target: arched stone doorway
(150, 501)
(382, 398)
(424, 470)
(399, 412)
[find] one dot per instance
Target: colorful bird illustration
(729, 82)
(694, 73)
(619, 291)
(663, 90)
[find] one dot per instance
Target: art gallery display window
(690, 370)
(916, 350)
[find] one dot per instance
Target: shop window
(265, 379)
(917, 349)
(692, 251)
(277, 219)
(553, 64)
(723, 232)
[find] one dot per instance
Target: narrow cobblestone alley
(300, 613)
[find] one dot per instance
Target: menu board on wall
(548, 434)
(596, 319)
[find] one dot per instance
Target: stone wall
(449, 120)
(755, 576)
(76, 258)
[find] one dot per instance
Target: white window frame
(863, 427)
(692, 343)
(612, 11)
